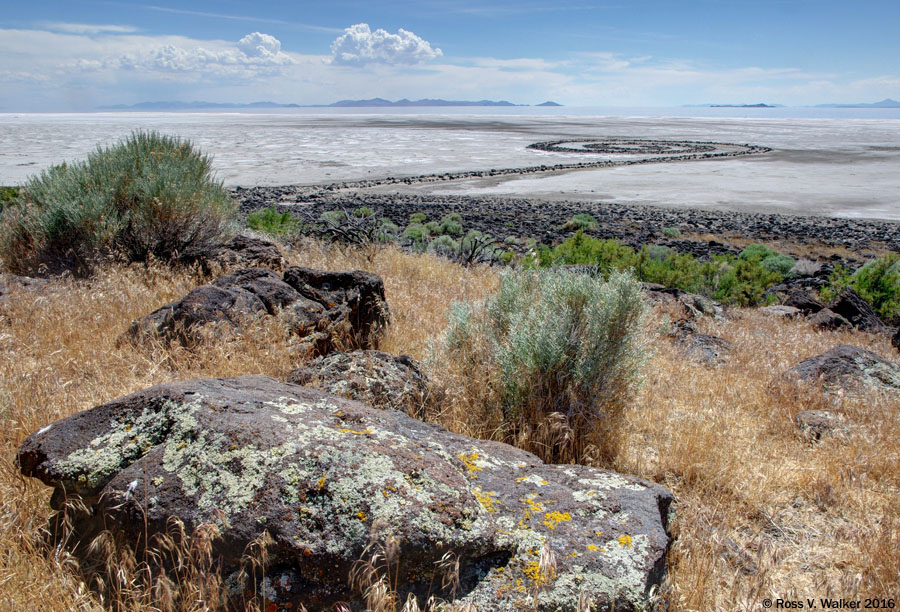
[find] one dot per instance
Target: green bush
(671, 232)
(745, 283)
(581, 222)
(877, 282)
(363, 212)
(451, 225)
(566, 351)
(742, 281)
(758, 252)
(417, 218)
(147, 196)
(272, 222)
(8, 195)
(782, 264)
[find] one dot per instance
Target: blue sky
(79, 55)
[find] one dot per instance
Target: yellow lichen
(592, 548)
(552, 519)
(531, 508)
(361, 432)
(625, 541)
(470, 459)
(362, 516)
(486, 499)
(322, 481)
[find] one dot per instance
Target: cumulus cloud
(260, 45)
(359, 45)
(253, 52)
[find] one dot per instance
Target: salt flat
(824, 166)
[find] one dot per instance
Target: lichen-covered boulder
(351, 313)
(245, 251)
(378, 379)
(851, 368)
(323, 475)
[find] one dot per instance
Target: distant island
(370, 103)
(886, 103)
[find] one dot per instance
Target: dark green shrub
(758, 252)
(745, 283)
(272, 222)
(451, 225)
(877, 282)
(8, 195)
(582, 222)
(734, 281)
(565, 350)
(581, 249)
(434, 228)
(147, 196)
(417, 218)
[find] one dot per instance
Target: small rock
(787, 312)
(705, 349)
(806, 303)
(815, 424)
(826, 319)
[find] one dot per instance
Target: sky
(81, 55)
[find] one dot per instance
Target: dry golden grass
(760, 511)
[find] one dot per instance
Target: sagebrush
(149, 196)
(565, 350)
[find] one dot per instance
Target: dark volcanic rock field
(631, 224)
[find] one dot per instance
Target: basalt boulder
(324, 476)
(333, 308)
(702, 348)
(850, 305)
(245, 251)
(378, 379)
(851, 368)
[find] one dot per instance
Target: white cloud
(359, 45)
(254, 52)
(260, 45)
(89, 28)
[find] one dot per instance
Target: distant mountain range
(886, 103)
(759, 105)
(371, 103)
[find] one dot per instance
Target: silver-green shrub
(566, 350)
(150, 195)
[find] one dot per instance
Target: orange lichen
(470, 459)
(552, 519)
